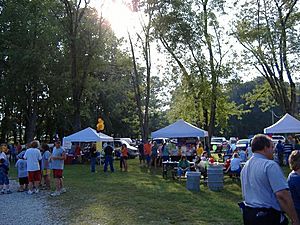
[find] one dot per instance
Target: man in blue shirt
(264, 188)
(108, 150)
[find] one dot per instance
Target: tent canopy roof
(287, 124)
(179, 129)
(88, 135)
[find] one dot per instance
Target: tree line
(62, 66)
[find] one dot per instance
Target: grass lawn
(141, 196)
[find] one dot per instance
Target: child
(21, 165)
(235, 165)
(4, 177)
(124, 153)
(45, 167)
(183, 166)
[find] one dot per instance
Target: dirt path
(21, 208)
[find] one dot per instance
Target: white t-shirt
(3, 156)
(33, 156)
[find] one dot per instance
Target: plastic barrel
(215, 177)
(193, 181)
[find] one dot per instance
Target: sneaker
(56, 193)
(8, 192)
(36, 191)
(30, 192)
(63, 190)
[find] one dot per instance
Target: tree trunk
(75, 13)
(213, 72)
(137, 92)
(30, 126)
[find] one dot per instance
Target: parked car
(220, 142)
(160, 140)
(132, 151)
(242, 144)
(128, 140)
(276, 138)
(232, 140)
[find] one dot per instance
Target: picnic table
(171, 167)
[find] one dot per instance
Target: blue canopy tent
(87, 135)
(179, 129)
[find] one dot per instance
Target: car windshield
(217, 140)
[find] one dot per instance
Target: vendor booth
(87, 135)
(286, 125)
(186, 135)
(82, 140)
(184, 138)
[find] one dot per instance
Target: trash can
(215, 177)
(193, 181)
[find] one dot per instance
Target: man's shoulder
(264, 162)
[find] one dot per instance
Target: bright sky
(118, 14)
(123, 19)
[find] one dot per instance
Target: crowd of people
(284, 149)
(34, 164)
(267, 194)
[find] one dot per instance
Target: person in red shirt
(124, 152)
(78, 153)
(147, 152)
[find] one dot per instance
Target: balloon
(214, 147)
(100, 124)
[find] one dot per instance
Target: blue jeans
(286, 156)
(93, 164)
(108, 160)
(180, 171)
(4, 179)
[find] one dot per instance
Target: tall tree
(267, 29)
(143, 100)
(29, 39)
(190, 32)
(74, 11)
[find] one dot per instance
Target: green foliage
(267, 31)
(192, 35)
(36, 87)
(261, 94)
(253, 120)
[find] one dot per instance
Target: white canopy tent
(287, 124)
(179, 129)
(87, 135)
